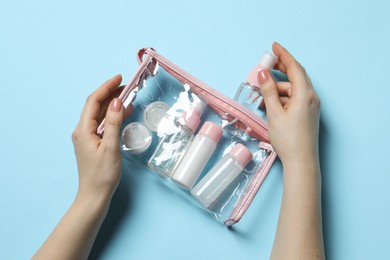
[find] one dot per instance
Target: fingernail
(263, 76)
(116, 105)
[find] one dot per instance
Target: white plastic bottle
(248, 93)
(172, 147)
(197, 155)
(211, 187)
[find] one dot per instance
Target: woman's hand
(99, 167)
(99, 159)
(293, 110)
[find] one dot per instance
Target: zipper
(250, 119)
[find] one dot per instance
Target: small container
(197, 155)
(172, 147)
(136, 138)
(248, 94)
(210, 189)
(154, 113)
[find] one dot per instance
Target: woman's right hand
(293, 110)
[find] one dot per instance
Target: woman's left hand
(99, 159)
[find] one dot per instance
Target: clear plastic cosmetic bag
(204, 145)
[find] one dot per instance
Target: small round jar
(136, 138)
(153, 114)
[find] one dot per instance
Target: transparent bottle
(248, 94)
(210, 189)
(197, 155)
(172, 147)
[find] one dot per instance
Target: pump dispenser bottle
(210, 189)
(197, 155)
(173, 146)
(248, 93)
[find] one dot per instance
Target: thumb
(112, 124)
(270, 92)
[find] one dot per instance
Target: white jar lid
(153, 114)
(136, 138)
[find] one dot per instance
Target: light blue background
(53, 54)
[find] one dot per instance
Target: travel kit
(210, 148)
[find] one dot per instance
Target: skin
(99, 167)
(293, 111)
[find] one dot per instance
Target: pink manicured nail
(117, 105)
(263, 76)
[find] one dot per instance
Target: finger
(270, 93)
(279, 66)
(104, 105)
(283, 101)
(105, 90)
(89, 116)
(294, 70)
(309, 83)
(284, 88)
(112, 125)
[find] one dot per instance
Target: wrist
(300, 155)
(95, 203)
(302, 164)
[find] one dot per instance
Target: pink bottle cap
(241, 154)
(191, 120)
(266, 62)
(211, 130)
(192, 116)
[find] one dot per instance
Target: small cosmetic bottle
(248, 93)
(209, 190)
(197, 155)
(173, 146)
